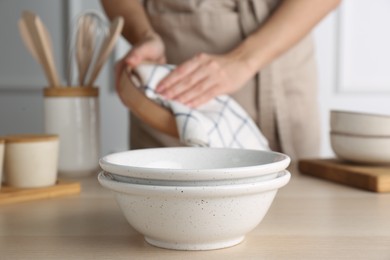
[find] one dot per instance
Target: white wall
(353, 59)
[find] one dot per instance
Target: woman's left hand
(204, 77)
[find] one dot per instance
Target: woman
(258, 51)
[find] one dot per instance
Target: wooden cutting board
(372, 178)
(62, 188)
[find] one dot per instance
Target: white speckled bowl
(194, 164)
(195, 218)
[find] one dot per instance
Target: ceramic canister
(1, 159)
(30, 161)
(73, 114)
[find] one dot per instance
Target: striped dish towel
(221, 122)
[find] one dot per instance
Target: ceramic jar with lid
(30, 161)
(73, 114)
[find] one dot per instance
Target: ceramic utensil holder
(31, 161)
(73, 114)
(1, 160)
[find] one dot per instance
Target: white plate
(189, 163)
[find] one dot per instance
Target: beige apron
(281, 99)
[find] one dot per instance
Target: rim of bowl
(336, 133)
(187, 183)
(201, 174)
(209, 191)
(360, 113)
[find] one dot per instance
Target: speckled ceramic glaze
(194, 164)
(195, 218)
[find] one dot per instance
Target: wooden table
(309, 219)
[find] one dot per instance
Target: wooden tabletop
(309, 219)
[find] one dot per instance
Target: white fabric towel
(221, 122)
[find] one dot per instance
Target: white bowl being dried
(195, 218)
(361, 149)
(194, 164)
(355, 123)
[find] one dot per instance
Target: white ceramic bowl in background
(196, 164)
(142, 181)
(195, 218)
(361, 149)
(356, 123)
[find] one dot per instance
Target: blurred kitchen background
(353, 50)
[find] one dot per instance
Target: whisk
(91, 29)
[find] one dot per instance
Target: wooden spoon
(26, 37)
(106, 48)
(85, 44)
(40, 39)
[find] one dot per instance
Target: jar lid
(73, 91)
(27, 138)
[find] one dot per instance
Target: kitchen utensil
(106, 48)
(85, 44)
(367, 177)
(26, 37)
(194, 163)
(195, 218)
(37, 40)
(90, 30)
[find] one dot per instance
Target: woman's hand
(204, 77)
(150, 49)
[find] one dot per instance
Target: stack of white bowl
(360, 137)
(194, 198)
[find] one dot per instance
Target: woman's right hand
(150, 49)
